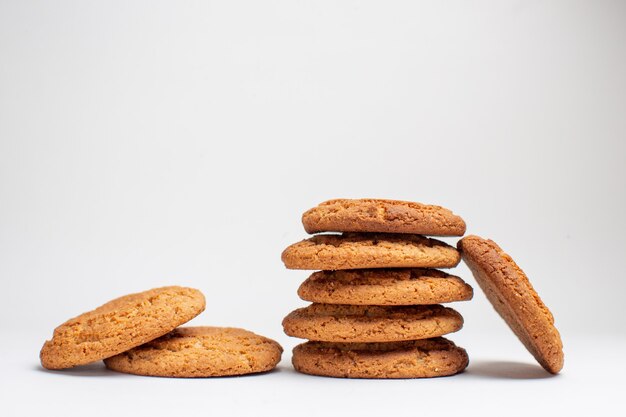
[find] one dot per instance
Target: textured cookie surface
(384, 216)
(412, 359)
(189, 352)
(119, 325)
(369, 250)
(350, 323)
(384, 287)
(512, 295)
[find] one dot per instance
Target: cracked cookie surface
(383, 216)
(384, 287)
(189, 352)
(510, 292)
(369, 250)
(119, 325)
(412, 359)
(352, 323)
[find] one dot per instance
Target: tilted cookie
(384, 216)
(189, 352)
(411, 359)
(119, 325)
(514, 298)
(384, 287)
(349, 323)
(369, 250)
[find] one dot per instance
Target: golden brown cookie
(384, 287)
(349, 323)
(513, 297)
(369, 250)
(411, 359)
(382, 216)
(190, 352)
(119, 325)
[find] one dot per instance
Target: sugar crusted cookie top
(401, 286)
(382, 215)
(361, 323)
(200, 352)
(409, 359)
(369, 250)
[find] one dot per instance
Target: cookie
(189, 352)
(119, 325)
(349, 323)
(369, 250)
(382, 216)
(513, 297)
(384, 287)
(411, 359)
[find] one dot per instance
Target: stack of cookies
(375, 309)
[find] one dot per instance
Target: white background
(148, 143)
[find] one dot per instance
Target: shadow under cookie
(507, 370)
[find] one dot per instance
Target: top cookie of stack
(382, 216)
(376, 297)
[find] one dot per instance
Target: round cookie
(349, 323)
(369, 250)
(190, 352)
(411, 359)
(382, 216)
(514, 298)
(119, 325)
(384, 287)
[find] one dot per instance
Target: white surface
(502, 379)
(146, 143)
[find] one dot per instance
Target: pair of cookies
(375, 309)
(139, 334)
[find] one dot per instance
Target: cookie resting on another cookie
(369, 250)
(119, 325)
(350, 323)
(382, 216)
(384, 287)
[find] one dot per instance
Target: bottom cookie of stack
(423, 358)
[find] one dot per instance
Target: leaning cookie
(190, 352)
(350, 323)
(119, 325)
(369, 250)
(412, 359)
(507, 287)
(382, 216)
(384, 287)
